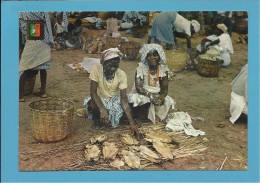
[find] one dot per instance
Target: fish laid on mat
(92, 152)
(148, 154)
(158, 135)
(163, 149)
(117, 163)
(99, 138)
(109, 150)
(127, 139)
(131, 159)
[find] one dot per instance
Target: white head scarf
(109, 54)
(222, 27)
(149, 47)
(196, 25)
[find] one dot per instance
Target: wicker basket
(130, 49)
(29, 85)
(208, 68)
(51, 119)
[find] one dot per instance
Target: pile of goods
(77, 67)
(114, 151)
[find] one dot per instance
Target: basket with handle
(51, 119)
(208, 66)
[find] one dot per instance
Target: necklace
(155, 79)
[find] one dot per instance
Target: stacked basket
(51, 119)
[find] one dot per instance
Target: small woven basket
(29, 85)
(51, 119)
(130, 49)
(208, 68)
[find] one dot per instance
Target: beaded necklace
(156, 79)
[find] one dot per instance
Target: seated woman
(108, 100)
(219, 41)
(151, 83)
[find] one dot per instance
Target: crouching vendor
(108, 100)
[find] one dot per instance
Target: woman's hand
(156, 99)
(104, 117)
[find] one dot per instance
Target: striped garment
(113, 106)
(24, 16)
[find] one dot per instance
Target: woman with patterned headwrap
(36, 55)
(166, 23)
(151, 83)
(108, 100)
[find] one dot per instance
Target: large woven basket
(29, 85)
(130, 49)
(208, 68)
(51, 119)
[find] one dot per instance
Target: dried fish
(163, 149)
(117, 163)
(109, 150)
(127, 139)
(158, 135)
(148, 154)
(131, 159)
(92, 152)
(99, 138)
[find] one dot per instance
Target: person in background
(239, 98)
(220, 41)
(151, 84)
(36, 55)
(108, 101)
(130, 19)
(166, 24)
(224, 17)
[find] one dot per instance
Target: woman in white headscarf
(166, 23)
(108, 100)
(151, 83)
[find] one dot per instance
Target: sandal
(21, 99)
(82, 113)
(40, 94)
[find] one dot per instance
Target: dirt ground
(203, 97)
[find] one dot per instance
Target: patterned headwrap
(150, 47)
(110, 53)
(196, 25)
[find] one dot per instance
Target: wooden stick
(220, 168)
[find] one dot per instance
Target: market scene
(133, 90)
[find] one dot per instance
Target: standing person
(108, 100)
(220, 41)
(239, 98)
(166, 23)
(151, 83)
(36, 55)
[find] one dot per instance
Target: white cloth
(238, 106)
(181, 24)
(58, 28)
(181, 121)
(196, 25)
